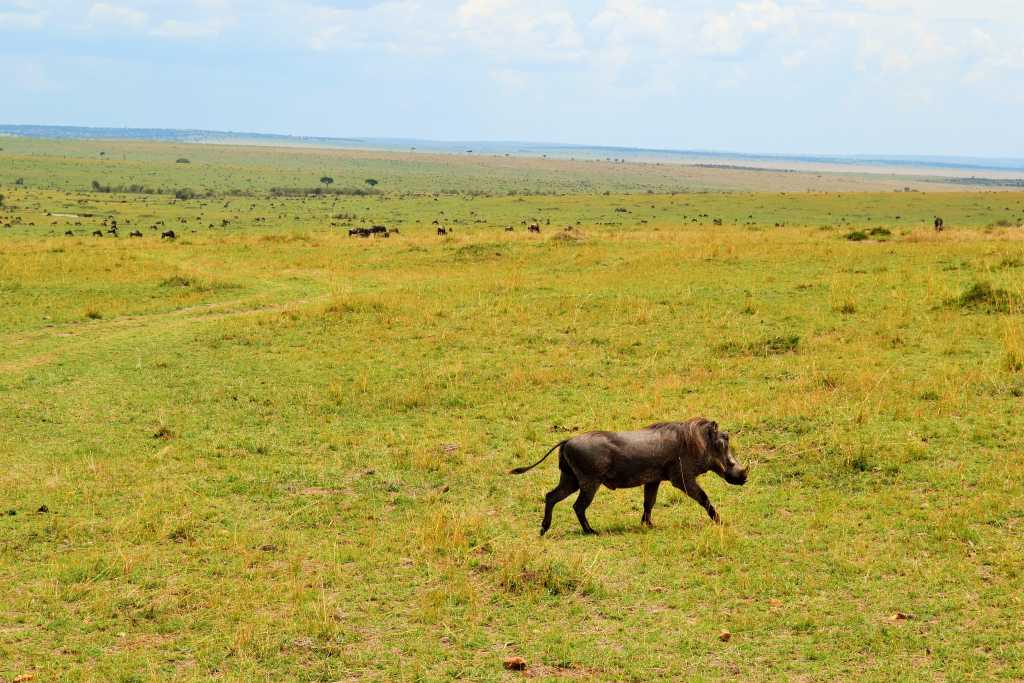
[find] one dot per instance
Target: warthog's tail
(520, 470)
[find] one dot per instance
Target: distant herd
(111, 226)
(373, 231)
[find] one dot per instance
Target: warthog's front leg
(650, 495)
(691, 488)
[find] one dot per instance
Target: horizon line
(941, 160)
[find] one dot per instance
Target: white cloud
(520, 30)
(28, 75)
(727, 33)
(513, 79)
(21, 20)
(102, 13)
(190, 30)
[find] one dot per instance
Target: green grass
(269, 451)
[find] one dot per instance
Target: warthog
(677, 452)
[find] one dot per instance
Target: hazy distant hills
(880, 163)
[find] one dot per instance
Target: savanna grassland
(270, 451)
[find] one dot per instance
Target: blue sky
(939, 77)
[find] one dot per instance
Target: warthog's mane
(690, 433)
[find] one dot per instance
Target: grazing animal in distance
(441, 231)
(97, 233)
(677, 452)
(533, 228)
(168, 234)
(69, 233)
(509, 228)
(939, 224)
(135, 233)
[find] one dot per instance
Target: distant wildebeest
(135, 233)
(358, 232)
(112, 230)
(69, 233)
(441, 231)
(168, 234)
(677, 452)
(533, 228)
(97, 233)
(509, 228)
(939, 224)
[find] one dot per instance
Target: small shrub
(857, 236)
(475, 252)
(847, 308)
(93, 314)
(775, 345)
(770, 346)
(1010, 262)
(1013, 361)
(521, 573)
(182, 160)
(982, 296)
(196, 285)
(860, 463)
(176, 281)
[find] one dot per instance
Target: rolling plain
(267, 450)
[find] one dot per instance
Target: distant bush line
(179, 193)
(316, 191)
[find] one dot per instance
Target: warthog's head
(720, 456)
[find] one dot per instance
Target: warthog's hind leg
(650, 495)
(587, 491)
(567, 485)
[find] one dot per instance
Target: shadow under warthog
(677, 452)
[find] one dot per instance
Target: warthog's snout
(737, 475)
